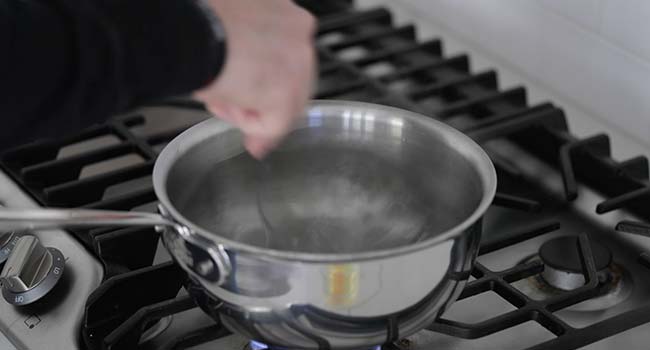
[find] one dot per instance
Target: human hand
(269, 69)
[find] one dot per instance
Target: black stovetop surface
(363, 56)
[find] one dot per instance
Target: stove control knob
(31, 271)
(7, 243)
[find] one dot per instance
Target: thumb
(224, 111)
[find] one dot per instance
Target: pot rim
(463, 144)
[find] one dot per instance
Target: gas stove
(564, 263)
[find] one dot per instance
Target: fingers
(269, 72)
(262, 130)
(275, 114)
(258, 147)
(265, 130)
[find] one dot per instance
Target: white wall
(595, 53)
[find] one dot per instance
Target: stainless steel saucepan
(359, 229)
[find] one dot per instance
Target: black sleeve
(67, 64)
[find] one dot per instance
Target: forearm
(67, 64)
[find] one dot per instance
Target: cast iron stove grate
(364, 56)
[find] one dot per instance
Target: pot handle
(202, 257)
(18, 219)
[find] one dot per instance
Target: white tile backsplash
(626, 23)
(583, 12)
(596, 53)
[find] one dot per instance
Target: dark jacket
(67, 64)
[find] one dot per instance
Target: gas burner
(563, 273)
(562, 262)
(256, 345)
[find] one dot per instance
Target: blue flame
(255, 345)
